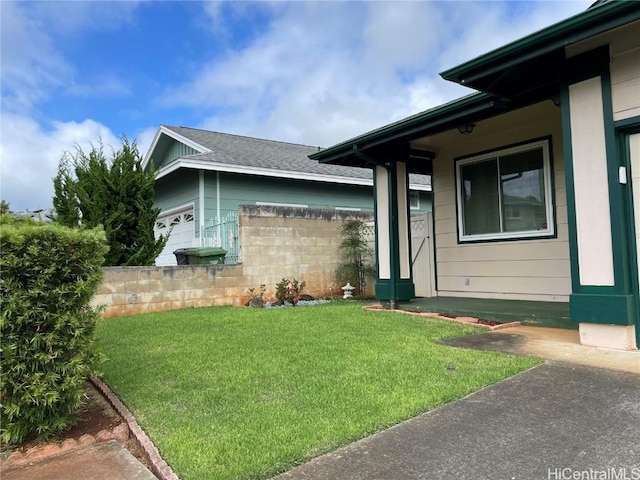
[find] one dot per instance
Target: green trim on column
(393, 223)
(408, 220)
(605, 309)
(405, 290)
(592, 303)
(375, 226)
(567, 153)
(617, 195)
(394, 288)
(383, 289)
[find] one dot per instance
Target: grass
(239, 393)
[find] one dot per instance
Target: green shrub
(289, 290)
(356, 255)
(48, 276)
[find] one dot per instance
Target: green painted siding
(176, 150)
(236, 189)
(177, 189)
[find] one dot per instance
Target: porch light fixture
(467, 128)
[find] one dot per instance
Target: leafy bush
(289, 290)
(48, 276)
(356, 254)
(117, 193)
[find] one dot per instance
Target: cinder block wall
(276, 242)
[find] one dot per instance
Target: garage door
(182, 234)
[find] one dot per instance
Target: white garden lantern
(348, 290)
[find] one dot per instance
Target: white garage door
(182, 235)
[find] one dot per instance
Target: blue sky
(72, 73)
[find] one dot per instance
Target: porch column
(394, 280)
(602, 301)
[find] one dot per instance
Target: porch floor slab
(547, 314)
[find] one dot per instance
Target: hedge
(48, 276)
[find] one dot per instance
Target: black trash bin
(181, 256)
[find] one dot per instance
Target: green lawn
(231, 393)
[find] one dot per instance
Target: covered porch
(533, 184)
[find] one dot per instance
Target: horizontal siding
(503, 268)
(510, 296)
(516, 269)
(550, 249)
(237, 189)
(625, 83)
(624, 48)
(511, 285)
(177, 189)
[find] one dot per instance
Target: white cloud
(107, 85)
(29, 156)
(312, 72)
(34, 70)
(319, 73)
(31, 67)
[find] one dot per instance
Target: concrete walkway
(102, 461)
(561, 419)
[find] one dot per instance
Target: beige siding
(517, 269)
(624, 47)
(625, 82)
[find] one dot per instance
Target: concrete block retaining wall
(275, 242)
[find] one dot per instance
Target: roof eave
(196, 164)
(411, 127)
(166, 130)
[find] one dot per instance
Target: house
(536, 176)
(203, 176)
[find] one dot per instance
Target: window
(414, 200)
(505, 194)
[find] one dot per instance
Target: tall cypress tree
(117, 193)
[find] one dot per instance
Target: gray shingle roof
(270, 154)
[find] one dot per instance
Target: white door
(182, 227)
(422, 252)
